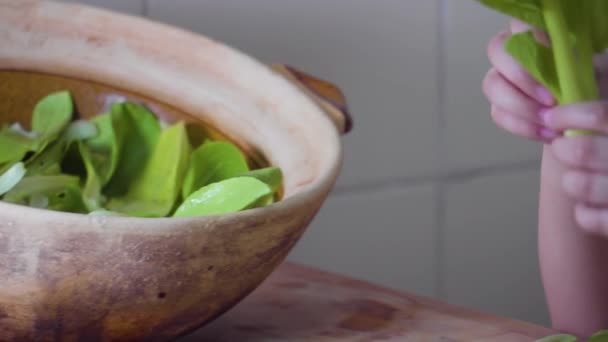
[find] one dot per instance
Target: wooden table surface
(301, 304)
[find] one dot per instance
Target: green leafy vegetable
(62, 192)
(212, 162)
(53, 113)
(39, 201)
(125, 162)
(143, 134)
(17, 128)
(48, 162)
(154, 193)
(525, 48)
(558, 338)
(272, 176)
(14, 146)
(51, 116)
(11, 177)
(100, 155)
(80, 130)
(577, 30)
(105, 147)
(91, 193)
(223, 197)
(600, 336)
(528, 11)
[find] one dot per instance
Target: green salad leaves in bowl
(125, 162)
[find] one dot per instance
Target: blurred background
(433, 198)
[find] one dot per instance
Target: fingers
(586, 116)
(521, 126)
(512, 71)
(585, 179)
(516, 97)
(514, 111)
(518, 26)
(503, 94)
(592, 219)
(583, 153)
(586, 187)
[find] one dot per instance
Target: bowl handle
(328, 96)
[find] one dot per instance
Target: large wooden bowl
(70, 277)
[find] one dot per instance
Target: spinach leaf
(51, 116)
(272, 176)
(80, 130)
(212, 162)
(17, 128)
(62, 193)
(528, 11)
(536, 58)
(154, 193)
(14, 146)
(91, 193)
(105, 147)
(224, 197)
(143, 134)
(11, 177)
(597, 10)
(100, 155)
(53, 113)
(48, 162)
(600, 336)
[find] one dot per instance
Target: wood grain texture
(302, 304)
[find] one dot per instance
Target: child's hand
(516, 98)
(585, 159)
(522, 106)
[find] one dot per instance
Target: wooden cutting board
(301, 304)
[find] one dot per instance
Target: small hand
(516, 98)
(585, 159)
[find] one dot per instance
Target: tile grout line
(440, 141)
(145, 9)
(458, 176)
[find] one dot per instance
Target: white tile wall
(384, 237)
(472, 139)
(489, 246)
(412, 71)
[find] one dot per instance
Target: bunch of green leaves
(125, 163)
(577, 30)
(601, 336)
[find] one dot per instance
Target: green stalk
(576, 77)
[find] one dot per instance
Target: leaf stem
(576, 78)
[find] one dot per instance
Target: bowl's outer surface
(68, 277)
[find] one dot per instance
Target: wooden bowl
(71, 277)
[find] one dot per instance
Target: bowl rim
(40, 10)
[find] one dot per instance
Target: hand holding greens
(124, 163)
(577, 30)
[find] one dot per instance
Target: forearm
(574, 265)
